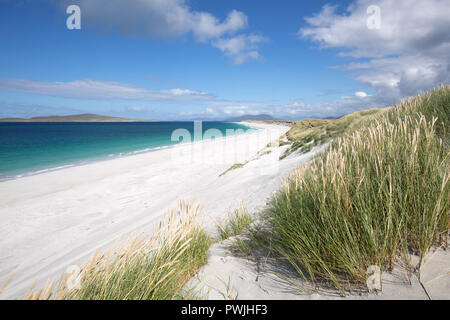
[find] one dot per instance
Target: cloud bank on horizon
(99, 90)
(406, 55)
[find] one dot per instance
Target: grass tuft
(143, 267)
(233, 167)
(235, 224)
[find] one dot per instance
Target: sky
(212, 60)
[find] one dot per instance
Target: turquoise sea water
(30, 148)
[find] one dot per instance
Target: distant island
(85, 117)
(261, 117)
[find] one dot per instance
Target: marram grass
(142, 267)
(377, 194)
(308, 133)
(235, 223)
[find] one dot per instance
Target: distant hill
(331, 118)
(261, 117)
(85, 117)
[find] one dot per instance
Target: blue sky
(208, 59)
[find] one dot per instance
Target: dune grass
(235, 223)
(239, 165)
(308, 133)
(378, 193)
(233, 167)
(143, 267)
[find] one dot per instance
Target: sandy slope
(53, 220)
(259, 277)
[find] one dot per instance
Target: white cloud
(157, 18)
(224, 109)
(186, 92)
(406, 55)
(406, 25)
(361, 94)
(240, 48)
(138, 108)
(96, 89)
(239, 110)
(163, 18)
(205, 26)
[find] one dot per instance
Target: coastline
(18, 175)
(58, 218)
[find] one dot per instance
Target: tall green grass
(143, 267)
(377, 194)
(235, 223)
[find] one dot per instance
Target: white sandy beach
(56, 219)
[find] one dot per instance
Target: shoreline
(56, 219)
(24, 174)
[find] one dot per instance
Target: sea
(28, 148)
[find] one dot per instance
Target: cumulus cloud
(96, 89)
(239, 110)
(223, 109)
(165, 19)
(361, 94)
(240, 48)
(406, 55)
(206, 26)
